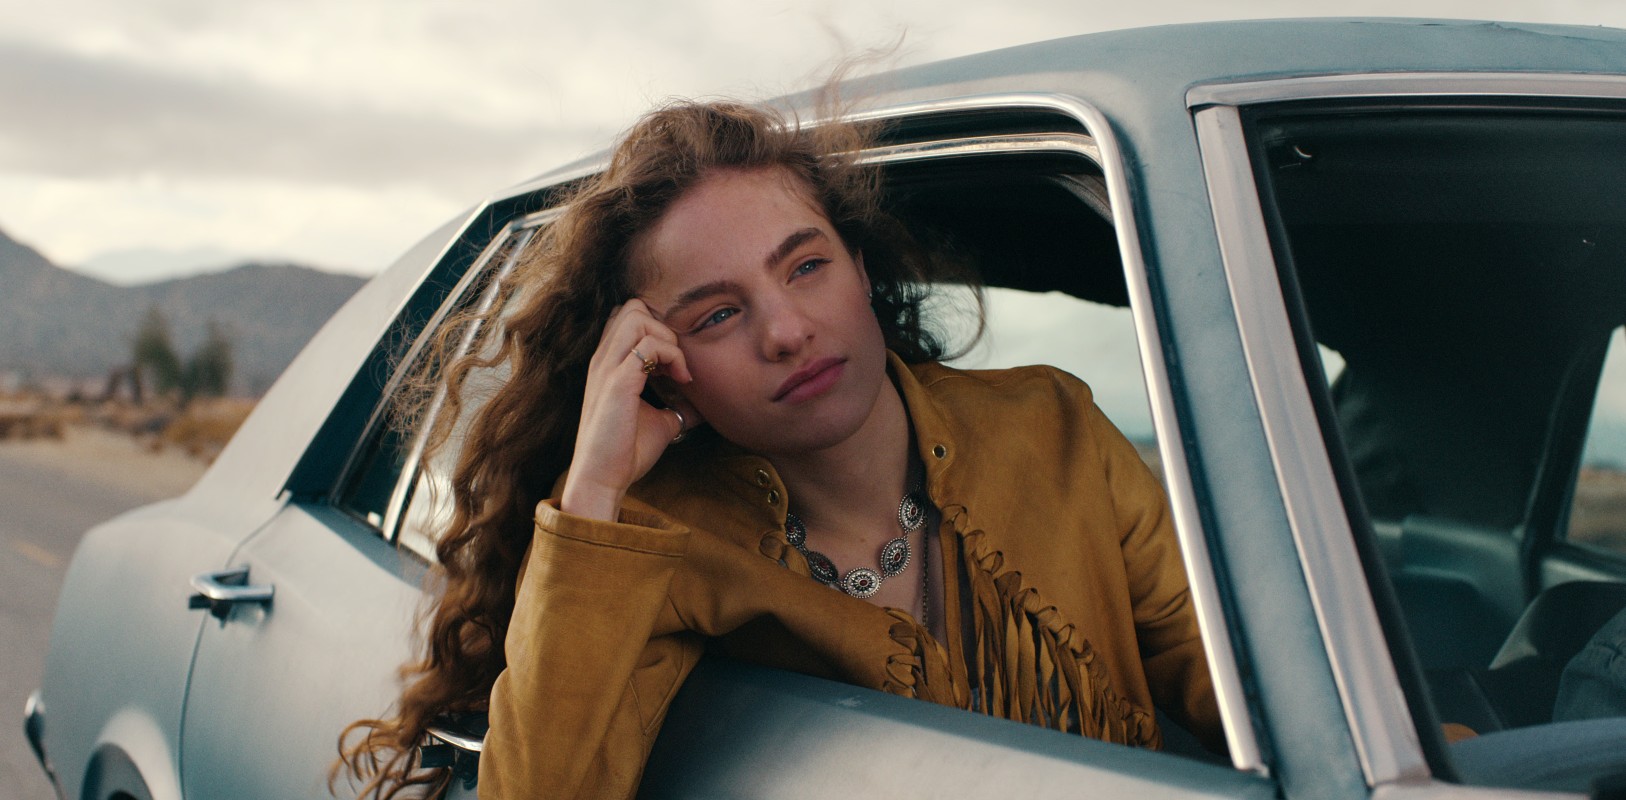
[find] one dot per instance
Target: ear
(863, 274)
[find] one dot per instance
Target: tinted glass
(1457, 272)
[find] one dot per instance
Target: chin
(800, 435)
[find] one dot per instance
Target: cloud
(79, 116)
(335, 132)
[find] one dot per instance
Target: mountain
(57, 322)
(138, 265)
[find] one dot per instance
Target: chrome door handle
(455, 742)
(459, 740)
(219, 591)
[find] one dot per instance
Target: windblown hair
(519, 442)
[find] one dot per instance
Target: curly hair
(519, 441)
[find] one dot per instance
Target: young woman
(726, 428)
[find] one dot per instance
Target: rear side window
(379, 484)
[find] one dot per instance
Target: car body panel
(340, 620)
(122, 646)
(743, 731)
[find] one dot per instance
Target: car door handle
(455, 742)
(219, 591)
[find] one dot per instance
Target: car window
(1038, 235)
(378, 485)
(1598, 512)
(1091, 339)
(1455, 273)
(1094, 341)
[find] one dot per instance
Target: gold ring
(649, 363)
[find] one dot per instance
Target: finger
(665, 355)
(690, 415)
(624, 332)
(641, 360)
(679, 424)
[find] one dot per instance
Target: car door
(273, 684)
(320, 604)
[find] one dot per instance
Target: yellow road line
(36, 554)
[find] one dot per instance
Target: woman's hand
(621, 435)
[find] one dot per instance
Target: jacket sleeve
(594, 655)
(1165, 618)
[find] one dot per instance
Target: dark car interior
(1467, 266)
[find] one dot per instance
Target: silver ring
(682, 426)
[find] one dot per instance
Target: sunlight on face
(771, 311)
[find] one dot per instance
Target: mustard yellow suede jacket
(1061, 570)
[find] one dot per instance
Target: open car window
(1039, 239)
(1455, 272)
(1036, 230)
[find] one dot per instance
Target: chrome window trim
(1410, 85)
(1026, 143)
(519, 232)
(1240, 735)
(1380, 720)
(1380, 723)
(398, 373)
(401, 369)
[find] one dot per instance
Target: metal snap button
(773, 497)
(762, 477)
(940, 451)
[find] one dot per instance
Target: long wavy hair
(519, 440)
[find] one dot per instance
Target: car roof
(1126, 73)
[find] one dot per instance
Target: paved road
(44, 509)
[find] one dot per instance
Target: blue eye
(717, 317)
(810, 265)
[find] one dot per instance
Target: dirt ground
(115, 460)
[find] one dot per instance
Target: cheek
(714, 384)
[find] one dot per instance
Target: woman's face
(771, 312)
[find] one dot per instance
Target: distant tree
(208, 371)
(153, 358)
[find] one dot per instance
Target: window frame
(1381, 722)
(375, 431)
(982, 126)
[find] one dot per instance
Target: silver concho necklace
(862, 581)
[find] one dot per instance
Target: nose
(786, 329)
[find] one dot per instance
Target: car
(1355, 287)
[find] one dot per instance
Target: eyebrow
(705, 290)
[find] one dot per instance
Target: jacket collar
(936, 435)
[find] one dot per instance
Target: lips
(810, 381)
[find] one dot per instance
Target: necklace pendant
(795, 531)
(861, 583)
(910, 514)
(822, 568)
(894, 557)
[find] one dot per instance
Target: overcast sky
(148, 137)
